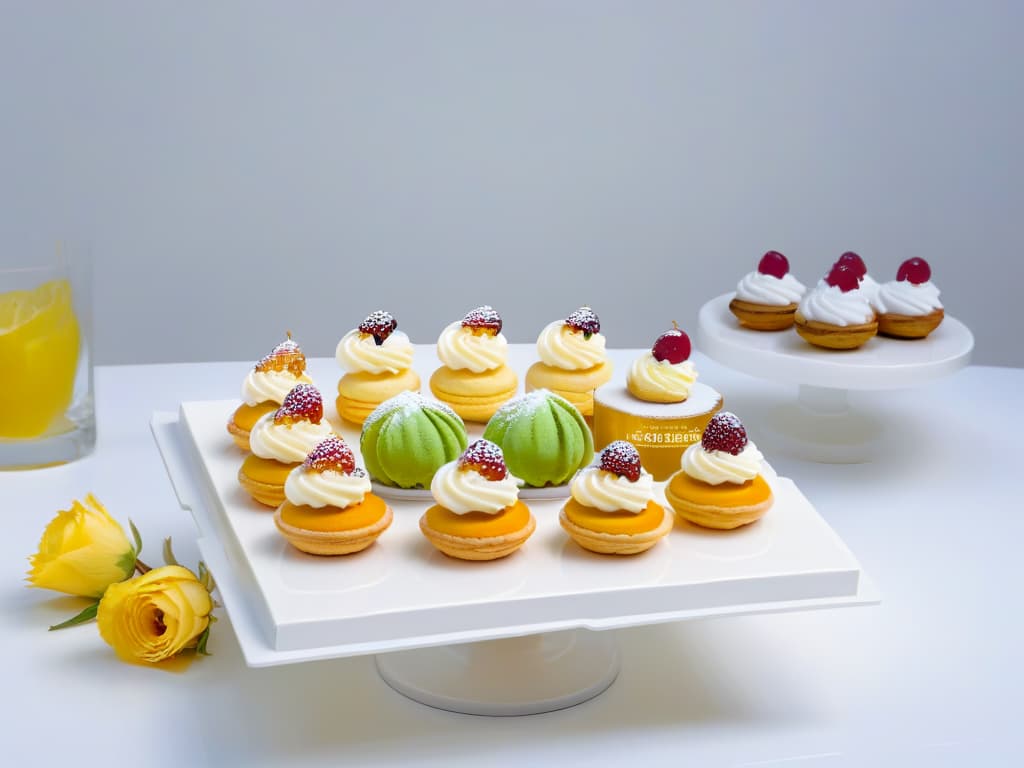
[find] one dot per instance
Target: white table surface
(930, 677)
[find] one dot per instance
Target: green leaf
(126, 563)
(137, 537)
(86, 615)
(203, 638)
(204, 576)
(169, 557)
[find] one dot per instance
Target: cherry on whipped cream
(485, 458)
(622, 459)
(915, 271)
(842, 277)
(773, 263)
(725, 432)
(854, 262)
(673, 345)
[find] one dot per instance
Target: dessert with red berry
(474, 378)
(865, 283)
(282, 440)
(719, 483)
(328, 507)
(377, 360)
(265, 387)
(836, 314)
(666, 373)
(766, 299)
(477, 514)
(573, 360)
(612, 509)
(909, 307)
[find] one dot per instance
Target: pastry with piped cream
(265, 386)
(766, 299)
(612, 508)
(328, 507)
(666, 373)
(477, 514)
(835, 314)
(377, 360)
(909, 307)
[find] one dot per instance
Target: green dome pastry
(406, 438)
(544, 438)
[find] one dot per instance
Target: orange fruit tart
(280, 441)
(328, 508)
(719, 484)
(612, 509)
(573, 360)
(478, 515)
(265, 386)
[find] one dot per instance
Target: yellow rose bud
(82, 552)
(154, 616)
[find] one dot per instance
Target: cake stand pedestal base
(821, 426)
(516, 676)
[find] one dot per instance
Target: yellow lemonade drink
(39, 348)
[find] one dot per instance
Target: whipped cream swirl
(759, 288)
(287, 443)
(563, 347)
(463, 490)
(459, 348)
(717, 467)
(902, 297)
(307, 487)
(608, 492)
(650, 374)
(357, 351)
(828, 304)
(269, 386)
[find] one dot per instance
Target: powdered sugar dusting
(332, 453)
(405, 404)
(621, 458)
(725, 432)
(485, 458)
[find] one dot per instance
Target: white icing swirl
(869, 287)
(717, 467)
(902, 297)
(758, 288)
(648, 373)
(460, 348)
(357, 351)
(307, 487)
(828, 304)
(287, 443)
(263, 386)
(463, 491)
(608, 492)
(567, 348)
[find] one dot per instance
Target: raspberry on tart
(332, 453)
(585, 320)
(725, 432)
(673, 346)
(380, 325)
(286, 356)
(483, 319)
(485, 458)
(302, 403)
(773, 263)
(915, 271)
(622, 459)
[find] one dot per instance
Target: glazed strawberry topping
(332, 453)
(773, 263)
(485, 318)
(914, 270)
(854, 262)
(303, 403)
(673, 346)
(842, 277)
(724, 432)
(584, 319)
(379, 324)
(622, 459)
(286, 356)
(485, 458)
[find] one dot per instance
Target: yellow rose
(82, 552)
(154, 616)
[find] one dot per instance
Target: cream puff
(909, 307)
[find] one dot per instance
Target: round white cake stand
(821, 426)
(515, 676)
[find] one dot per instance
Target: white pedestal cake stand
(509, 637)
(820, 425)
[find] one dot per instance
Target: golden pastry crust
(575, 386)
(486, 548)
(268, 494)
(615, 543)
(831, 336)
(360, 393)
(239, 435)
(474, 396)
(763, 317)
(909, 326)
(714, 516)
(333, 542)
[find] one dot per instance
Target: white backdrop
(246, 167)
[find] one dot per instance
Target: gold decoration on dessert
(286, 356)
